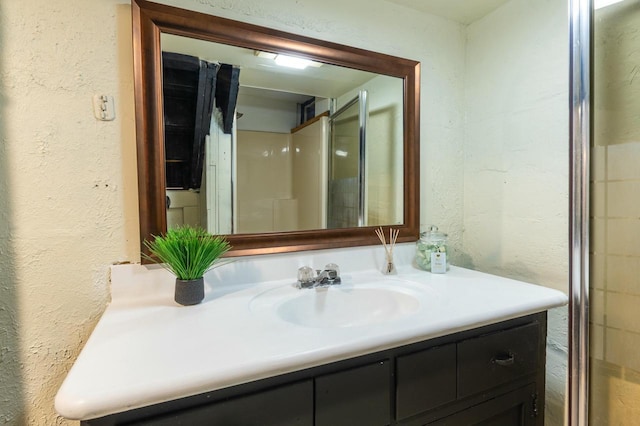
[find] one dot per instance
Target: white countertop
(146, 349)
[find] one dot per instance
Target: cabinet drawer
(425, 380)
(497, 358)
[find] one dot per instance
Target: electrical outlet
(104, 108)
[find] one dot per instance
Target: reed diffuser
(389, 268)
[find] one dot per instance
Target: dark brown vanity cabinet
(288, 405)
(359, 395)
(425, 380)
(493, 375)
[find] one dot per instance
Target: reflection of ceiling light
(599, 4)
(287, 61)
(266, 55)
(341, 153)
(292, 62)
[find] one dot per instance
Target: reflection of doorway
(347, 190)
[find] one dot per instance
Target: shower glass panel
(615, 217)
(347, 186)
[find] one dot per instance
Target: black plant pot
(189, 292)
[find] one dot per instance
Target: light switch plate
(104, 107)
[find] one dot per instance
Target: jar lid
(433, 233)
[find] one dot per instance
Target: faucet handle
(306, 276)
(309, 278)
(333, 271)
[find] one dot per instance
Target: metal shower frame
(580, 84)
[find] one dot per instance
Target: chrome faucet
(308, 278)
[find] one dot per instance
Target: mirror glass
(310, 145)
(277, 158)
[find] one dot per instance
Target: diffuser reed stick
(388, 248)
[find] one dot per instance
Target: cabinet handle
(504, 359)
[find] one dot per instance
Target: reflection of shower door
(347, 184)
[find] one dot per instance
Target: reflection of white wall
(516, 157)
(266, 114)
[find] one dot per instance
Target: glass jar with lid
(431, 251)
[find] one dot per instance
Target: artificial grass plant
(187, 252)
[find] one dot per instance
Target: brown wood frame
(151, 19)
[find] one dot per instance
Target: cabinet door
(289, 405)
(515, 408)
(360, 396)
(425, 380)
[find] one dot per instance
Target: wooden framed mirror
(152, 22)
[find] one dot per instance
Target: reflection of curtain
(190, 86)
(204, 109)
(227, 94)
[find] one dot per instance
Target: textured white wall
(516, 158)
(516, 161)
(68, 188)
(68, 198)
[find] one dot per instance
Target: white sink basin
(338, 306)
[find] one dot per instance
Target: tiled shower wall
(615, 284)
(615, 218)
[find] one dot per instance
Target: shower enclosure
(615, 216)
(605, 272)
(347, 164)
